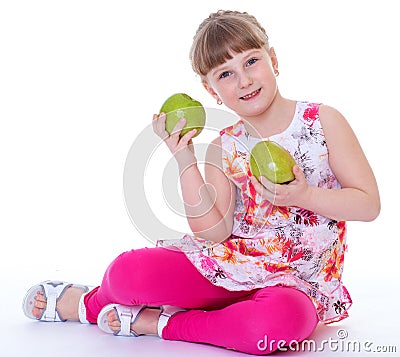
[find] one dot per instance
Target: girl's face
(246, 83)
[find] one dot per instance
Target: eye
(251, 61)
(224, 74)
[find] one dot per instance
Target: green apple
(180, 105)
(272, 161)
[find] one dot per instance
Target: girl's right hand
(180, 147)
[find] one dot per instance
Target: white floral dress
(276, 245)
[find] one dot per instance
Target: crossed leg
(232, 319)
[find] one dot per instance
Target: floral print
(273, 245)
(311, 114)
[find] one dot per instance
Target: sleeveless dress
(277, 245)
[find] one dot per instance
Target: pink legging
(246, 321)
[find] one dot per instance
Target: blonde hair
(221, 34)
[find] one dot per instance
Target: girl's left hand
(292, 194)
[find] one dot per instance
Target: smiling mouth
(251, 95)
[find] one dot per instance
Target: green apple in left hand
(272, 161)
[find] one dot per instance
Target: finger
(154, 122)
(274, 190)
(187, 138)
(254, 181)
(159, 125)
(267, 184)
(298, 173)
(261, 190)
(257, 185)
(178, 127)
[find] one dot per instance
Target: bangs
(216, 41)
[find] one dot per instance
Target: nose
(245, 80)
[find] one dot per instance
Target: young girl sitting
(265, 260)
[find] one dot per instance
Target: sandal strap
(127, 315)
(82, 307)
(166, 312)
(53, 290)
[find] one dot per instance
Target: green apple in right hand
(181, 105)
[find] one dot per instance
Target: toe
(40, 301)
(115, 326)
(113, 321)
(111, 316)
(40, 297)
(37, 312)
(39, 305)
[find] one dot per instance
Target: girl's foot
(67, 305)
(145, 324)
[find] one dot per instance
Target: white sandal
(166, 312)
(52, 291)
(127, 315)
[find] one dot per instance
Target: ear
(210, 90)
(274, 59)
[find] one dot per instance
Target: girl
(264, 265)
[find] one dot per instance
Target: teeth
(250, 95)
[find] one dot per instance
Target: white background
(79, 80)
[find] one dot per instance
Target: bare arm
(357, 200)
(208, 207)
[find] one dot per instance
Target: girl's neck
(274, 120)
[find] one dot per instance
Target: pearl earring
(219, 101)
